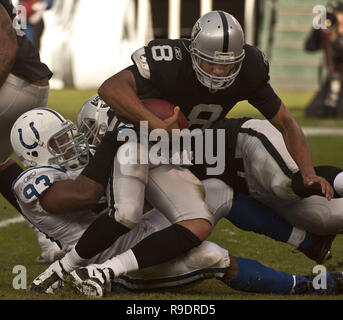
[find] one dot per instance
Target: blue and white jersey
(64, 228)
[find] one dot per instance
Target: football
(164, 109)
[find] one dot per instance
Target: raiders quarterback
(206, 76)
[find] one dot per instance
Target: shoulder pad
(139, 58)
(255, 66)
(168, 61)
(30, 185)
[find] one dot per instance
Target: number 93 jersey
(163, 69)
(64, 228)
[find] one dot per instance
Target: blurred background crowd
(85, 41)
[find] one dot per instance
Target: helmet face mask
(43, 137)
(93, 131)
(217, 38)
(69, 149)
(92, 120)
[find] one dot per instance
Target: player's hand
(320, 184)
(173, 121)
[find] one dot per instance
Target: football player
(261, 166)
(24, 84)
(44, 140)
(206, 76)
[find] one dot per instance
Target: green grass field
(18, 245)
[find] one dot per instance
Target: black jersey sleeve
(166, 61)
(143, 85)
(266, 101)
(255, 77)
(160, 66)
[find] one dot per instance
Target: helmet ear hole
(34, 154)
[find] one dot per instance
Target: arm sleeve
(145, 88)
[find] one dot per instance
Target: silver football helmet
(217, 37)
(92, 119)
(42, 137)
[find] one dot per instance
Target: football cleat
(50, 280)
(93, 281)
(320, 249)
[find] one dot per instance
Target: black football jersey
(27, 63)
(233, 165)
(164, 70)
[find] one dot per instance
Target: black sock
(164, 245)
(327, 172)
(99, 236)
(7, 177)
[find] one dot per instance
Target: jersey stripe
(34, 168)
(52, 111)
(225, 31)
(270, 148)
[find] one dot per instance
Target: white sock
(297, 237)
(122, 263)
(72, 261)
(338, 184)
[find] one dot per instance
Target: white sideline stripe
(7, 222)
(313, 131)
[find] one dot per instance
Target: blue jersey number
(30, 190)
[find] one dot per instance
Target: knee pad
(131, 163)
(129, 214)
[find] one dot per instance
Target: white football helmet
(92, 119)
(42, 136)
(217, 37)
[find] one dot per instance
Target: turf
(18, 245)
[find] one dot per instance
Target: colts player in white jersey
(42, 138)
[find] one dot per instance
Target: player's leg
(315, 214)
(250, 215)
(179, 195)
(125, 194)
(252, 276)
(204, 262)
(16, 97)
